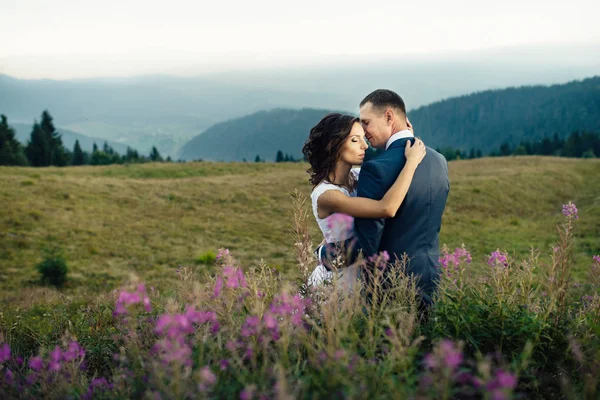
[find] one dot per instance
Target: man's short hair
(384, 98)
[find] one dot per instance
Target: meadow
(158, 227)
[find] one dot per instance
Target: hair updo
(324, 143)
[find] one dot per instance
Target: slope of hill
(481, 120)
(150, 218)
(69, 137)
(262, 133)
(485, 120)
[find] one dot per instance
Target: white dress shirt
(407, 133)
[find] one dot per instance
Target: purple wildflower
(129, 298)
(586, 300)
(270, 321)
(430, 361)
(452, 356)
(570, 210)
(222, 253)
(235, 277)
(224, 364)
(207, 376)
(498, 259)
(250, 327)
(340, 225)
(36, 363)
(247, 393)
(4, 353)
(506, 380)
(454, 260)
(10, 376)
(74, 350)
(218, 287)
(596, 259)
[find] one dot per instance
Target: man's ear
(389, 116)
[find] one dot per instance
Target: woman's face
(353, 150)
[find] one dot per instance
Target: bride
(334, 146)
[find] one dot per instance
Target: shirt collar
(397, 136)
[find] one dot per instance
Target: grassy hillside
(148, 219)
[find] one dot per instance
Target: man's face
(376, 125)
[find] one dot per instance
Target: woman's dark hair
(322, 148)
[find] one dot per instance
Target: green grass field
(148, 219)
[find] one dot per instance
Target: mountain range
(167, 110)
(481, 120)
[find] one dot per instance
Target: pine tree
(155, 155)
(279, 157)
(58, 154)
(78, 156)
(257, 159)
(95, 148)
(11, 151)
(38, 148)
(505, 149)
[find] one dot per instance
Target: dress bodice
(336, 227)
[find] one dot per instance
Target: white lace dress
(336, 227)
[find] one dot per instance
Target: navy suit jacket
(416, 226)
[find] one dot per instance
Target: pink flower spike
(570, 210)
(36, 363)
(207, 376)
(218, 287)
(147, 304)
(4, 353)
(506, 380)
(270, 321)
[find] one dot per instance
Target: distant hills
(166, 111)
(262, 133)
(482, 120)
(487, 119)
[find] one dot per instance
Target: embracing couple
(393, 203)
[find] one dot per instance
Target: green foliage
(579, 145)
(53, 268)
(155, 155)
(11, 151)
(78, 155)
(45, 146)
(206, 258)
(488, 119)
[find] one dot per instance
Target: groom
(415, 228)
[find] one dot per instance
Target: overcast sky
(114, 37)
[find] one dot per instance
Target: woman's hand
(410, 127)
(416, 152)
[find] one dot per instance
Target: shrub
(207, 258)
(53, 268)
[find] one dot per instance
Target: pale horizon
(66, 39)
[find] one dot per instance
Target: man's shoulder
(371, 166)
